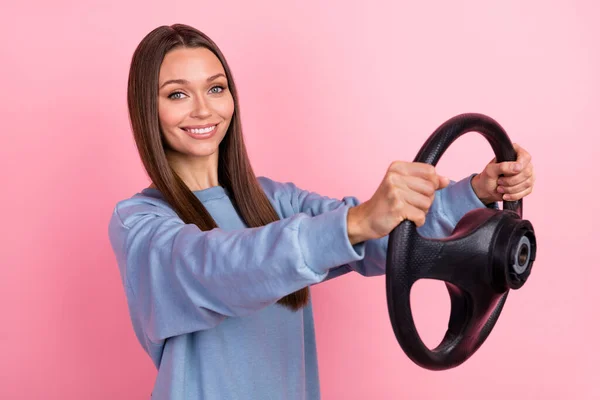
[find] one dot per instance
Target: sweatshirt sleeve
(449, 206)
(180, 279)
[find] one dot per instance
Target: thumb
(443, 181)
(507, 168)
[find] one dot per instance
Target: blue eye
(170, 96)
(216, 87)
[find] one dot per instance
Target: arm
(449, 206)
(180, 279)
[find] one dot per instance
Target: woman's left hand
(516, 183)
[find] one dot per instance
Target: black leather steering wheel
(489, 252)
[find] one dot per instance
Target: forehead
(194, 64)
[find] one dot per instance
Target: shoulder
(273, 187)
(282, 195)
(147, 203)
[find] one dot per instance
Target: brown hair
(234, 171)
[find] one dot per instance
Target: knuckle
(530, 169)
(395, 167)
(400, 214)
(398, 205)
(428, 200)
(399, 167)
(389, 179)
(429, 188)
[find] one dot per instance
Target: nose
(201, 108)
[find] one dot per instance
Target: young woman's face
(196, 109)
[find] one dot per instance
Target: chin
(203, 152)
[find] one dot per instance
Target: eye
(212, 89)
(174, 93)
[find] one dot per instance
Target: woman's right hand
(406, 192)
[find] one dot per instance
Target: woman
(216, 263)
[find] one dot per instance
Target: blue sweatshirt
(202, 304)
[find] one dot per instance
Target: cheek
(225, 107)
(169, 115)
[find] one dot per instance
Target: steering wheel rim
(475, 308)
(440, 140)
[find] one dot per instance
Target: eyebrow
(185, 82)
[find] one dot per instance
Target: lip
(197, 126)
(201, 137)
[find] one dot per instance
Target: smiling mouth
(200, 131)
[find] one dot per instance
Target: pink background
(331, 93)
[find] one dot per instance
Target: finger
(504, 168)
(415, 215)
(444, 181)
(516, 188)
(517, 196)
(422, 170)
(423, 186)
(517, 179)
(523, 157)
(418, 200)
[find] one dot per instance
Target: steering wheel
(489, 252)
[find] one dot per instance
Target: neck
(198, 173)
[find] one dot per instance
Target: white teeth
(202, 130)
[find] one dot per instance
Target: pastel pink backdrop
(331, 93)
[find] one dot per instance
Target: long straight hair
(234, 170)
